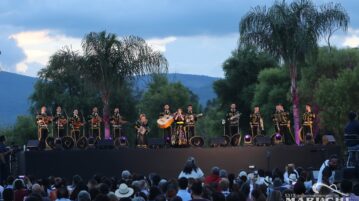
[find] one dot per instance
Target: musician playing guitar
(43, 121)
(232, 120)
(167, 132)
(60, 122)
(76, 124)
(142, 129)
(117, 121)
(191, 120)
(95, 124)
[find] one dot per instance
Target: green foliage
(23, 130)
(211, 124)
(272, 88)
(336, 97)
(241, 71)
(161, 92)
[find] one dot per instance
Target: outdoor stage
(168, 162)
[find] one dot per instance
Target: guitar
(165, 121)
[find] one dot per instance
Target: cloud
(38, 46)
(159, 44)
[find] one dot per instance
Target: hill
(16, 89)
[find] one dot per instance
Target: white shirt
(194, 174)
(184, 194)
(286, 176)
(320, 174)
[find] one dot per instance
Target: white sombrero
(124, 191)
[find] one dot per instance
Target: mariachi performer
(167, 132)
(281, 123)
(180, 136)
(256, 122)
(117, 121)
(142, 129)
(43, 120)
(60, 123)
(307, 125)
(232, 120)
(191, 120)
(95, 124)
(75, 124)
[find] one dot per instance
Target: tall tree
(291, 32)
(241, 70)
(110, 61)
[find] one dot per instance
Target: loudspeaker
(217, 141)
(261, 140)
(156, 142)
(105, 144)
(328, 139)
(32, 145)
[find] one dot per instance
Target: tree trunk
(106, 116)
(295, 101)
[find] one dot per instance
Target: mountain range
(16, 89)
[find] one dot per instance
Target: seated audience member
(124, 191)
(224, 186)
(275, 196)
(223, 173)
(182, 191)
(62, 194)
(331, 165)
(236, 196)
(36, 189)
(299, 188)
(191, 170)
(83, 196)
(352, 126)
(290, 169)
(346, 187)
(126, 177)
(19, 190)
(154, 192)
(257, 195)
(8, 194)
(213, 177)
(196, 191)
(216, 196)
(112, 196)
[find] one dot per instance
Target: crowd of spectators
(191, 184)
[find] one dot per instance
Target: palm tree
(110, 61)
(291, 32)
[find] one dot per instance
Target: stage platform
(168, 162)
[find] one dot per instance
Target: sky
(196, 36)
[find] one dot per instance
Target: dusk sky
(196, 36)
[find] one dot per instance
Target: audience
(254, 185)
(191, 170)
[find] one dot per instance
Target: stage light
(247, 139)
(277, 139)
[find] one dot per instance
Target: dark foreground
(168, 162)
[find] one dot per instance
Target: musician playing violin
(60, 123)
(191, 120)
(167, 132)
(142, 129)
(95, 124)
(232, 120)
(43, 120)
(117, 121)
(181, 135)
(256, 122)
(76, 124)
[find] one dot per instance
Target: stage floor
(168, 162)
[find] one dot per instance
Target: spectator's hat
(124, 191)
(242, 174)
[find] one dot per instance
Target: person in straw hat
(124, 191)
